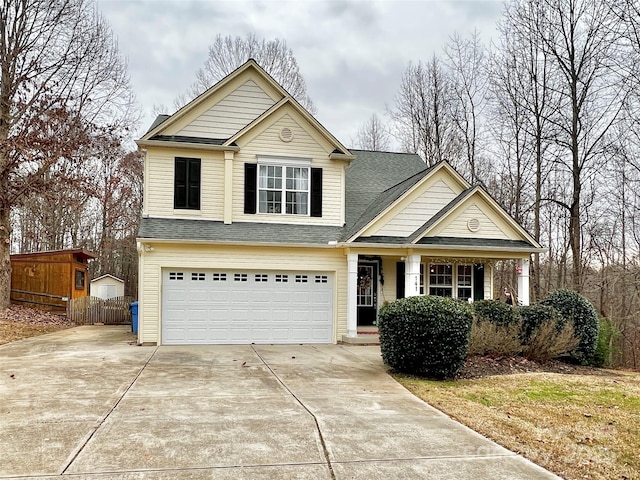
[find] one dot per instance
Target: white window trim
(454, 278)
(284, 162)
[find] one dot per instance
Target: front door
(367, 294)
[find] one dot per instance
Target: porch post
(523, 281)
(352, 293)
(412, 276)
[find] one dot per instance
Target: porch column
(412, 276)
(227, 214)
(523, 281)
(352, 293)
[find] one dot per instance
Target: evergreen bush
(426, 336)
(576, 309)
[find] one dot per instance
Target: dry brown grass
(548, 343)
(12, 331)
(578, 426)
(488, 338)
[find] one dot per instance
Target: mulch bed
(478, 367)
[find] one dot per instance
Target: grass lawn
(575, 425)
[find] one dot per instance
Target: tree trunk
(5, 259)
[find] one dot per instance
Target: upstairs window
(186, 192)
(283, 190)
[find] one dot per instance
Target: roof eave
(165, 241)
(446, 247)
(187, 145)
(342, 156)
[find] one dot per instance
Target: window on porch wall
(444, 277)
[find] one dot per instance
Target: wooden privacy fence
(91, 310)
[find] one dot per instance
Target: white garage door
(227, 306)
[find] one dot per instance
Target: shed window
(79, 280)
(186, 191)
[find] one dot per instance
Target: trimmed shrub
(487, 338)
(575, 309)
(607, 345)
(496, 312)
(533, 317)
(426, 336)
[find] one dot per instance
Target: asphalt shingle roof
(475, 242)
(371, 173)
(204, 230)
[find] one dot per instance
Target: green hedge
(427, 336)
(497, 312)
(533, 317)
(574, 308)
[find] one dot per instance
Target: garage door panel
(209, 307)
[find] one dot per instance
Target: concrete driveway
(87, 403)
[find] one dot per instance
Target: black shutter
(194, 184)
(478, 281)
(316, 192)
(180, 183)
(400, 266)
(250, 185)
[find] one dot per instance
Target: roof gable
(289, 106)
(105, 277)
(416, 207)
(232, 113)
(402, 200)
(247, 83)
(304, 136)
(473, 214)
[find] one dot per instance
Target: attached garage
(241, 307)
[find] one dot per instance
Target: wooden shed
(49, 279)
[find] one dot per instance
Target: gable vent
(286, 135)
(473, 224)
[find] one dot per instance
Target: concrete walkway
(87, 403)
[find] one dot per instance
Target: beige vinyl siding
(488, 281)
(231, 114)
(488, 227)
(158, 192)
(388, 290)
(303, 146)
(418, 212)
(236, 258)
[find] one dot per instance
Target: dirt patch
(18, 322)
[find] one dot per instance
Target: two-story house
(259, 226)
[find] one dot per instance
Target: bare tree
(373, 135)
(423, 113)
(581, 39)
(61, 75)
(467, 65)
(228, 53)
(523, 99)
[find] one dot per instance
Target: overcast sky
(351, 53)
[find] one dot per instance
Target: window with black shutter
(186, 190)
(282, 189)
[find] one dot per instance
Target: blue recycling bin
(134, 317)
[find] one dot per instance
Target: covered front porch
(380, 276)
